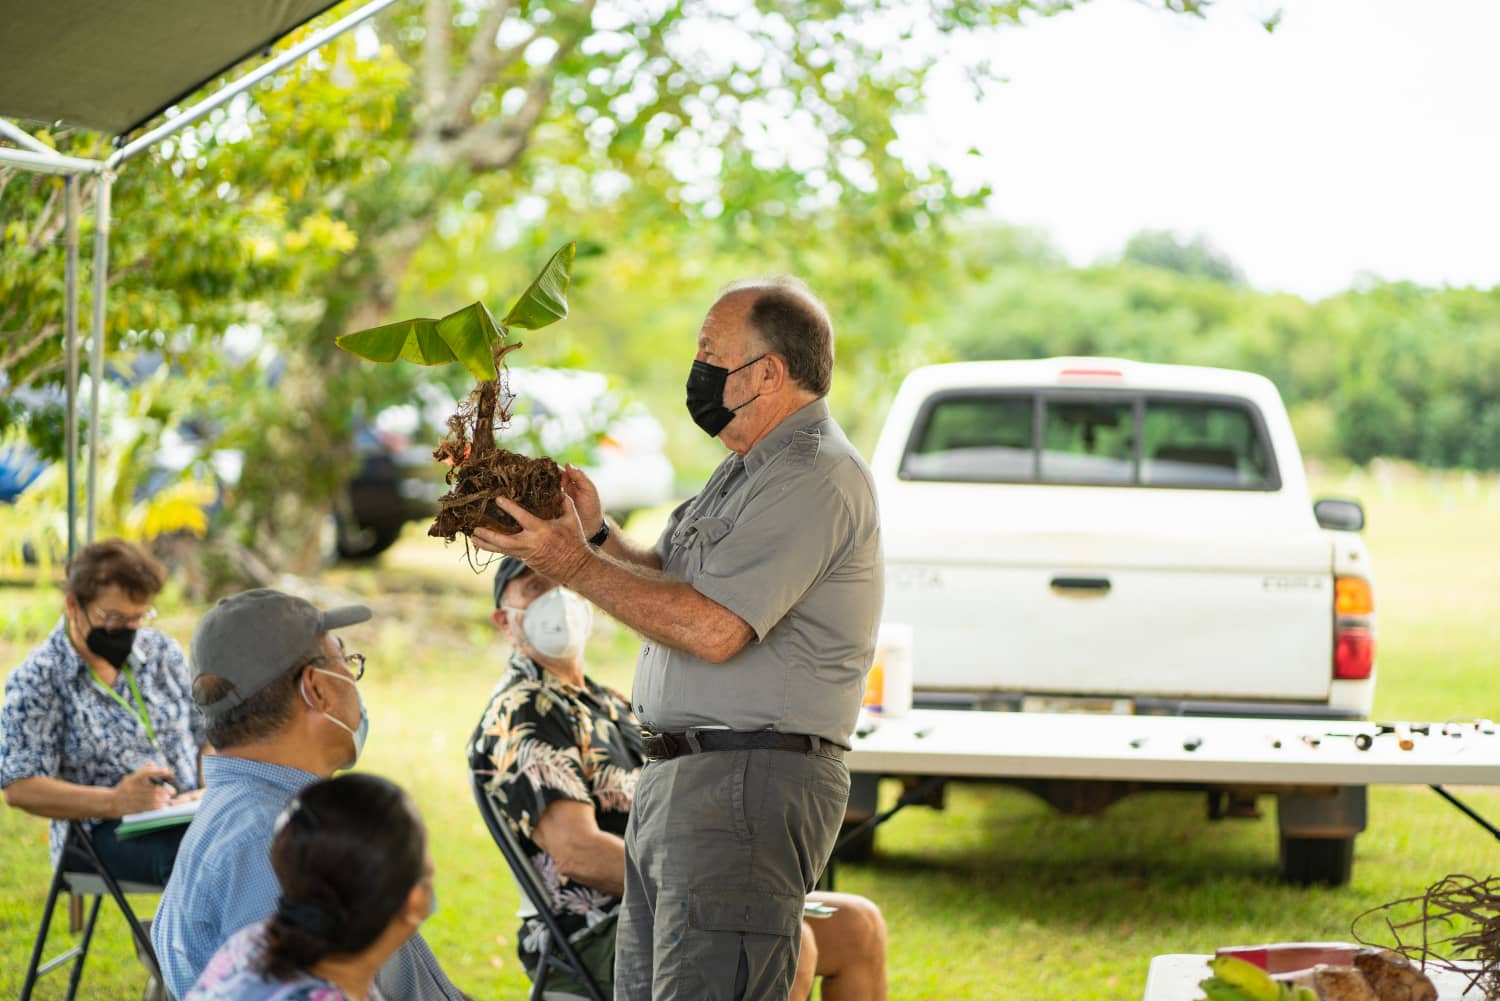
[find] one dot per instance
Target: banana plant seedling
(478, 469)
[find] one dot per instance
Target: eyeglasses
(355, 664)
(114, 620)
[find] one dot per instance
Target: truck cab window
(1193, 444)
(984, 439)
(1088, 442)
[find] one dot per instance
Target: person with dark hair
(350, 855)
(758, 608)
(98, 721)
(281, 704)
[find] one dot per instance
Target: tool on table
(1460, 728)
(1363, 741)
(1192, 743)
(1310, 740)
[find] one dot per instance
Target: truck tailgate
(1213, 597)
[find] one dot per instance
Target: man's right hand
(147, 788)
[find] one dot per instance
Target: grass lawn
(996, 896)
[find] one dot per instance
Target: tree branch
(9, 360)
(484, 60)
(499, 143)
(437, 44)
(39, 238)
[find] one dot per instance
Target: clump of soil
(479, 470)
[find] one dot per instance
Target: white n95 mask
(557, 624)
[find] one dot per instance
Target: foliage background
(437, 156)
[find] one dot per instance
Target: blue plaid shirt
(58, 723)
(223, 881)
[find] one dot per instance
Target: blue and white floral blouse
(58, 723)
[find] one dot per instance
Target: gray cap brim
(346, 615)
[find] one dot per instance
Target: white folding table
(936, 745)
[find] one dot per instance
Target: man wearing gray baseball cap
(281, 705)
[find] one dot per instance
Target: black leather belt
(663, 746)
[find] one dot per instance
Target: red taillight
(1353, 654)
(1353, 629)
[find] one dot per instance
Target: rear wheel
(361, 542)
(1310, 861)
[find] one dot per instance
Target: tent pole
(21, 137)
(96, 362)
(70, 354)
(244, 83)
(50, 162)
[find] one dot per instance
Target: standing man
(562, 755)
(759, 606)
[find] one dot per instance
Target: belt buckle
(659, 746)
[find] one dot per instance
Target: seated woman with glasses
(351, 857)
(98, 721)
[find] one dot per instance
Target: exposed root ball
(479, 472)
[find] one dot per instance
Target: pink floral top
(231, 976)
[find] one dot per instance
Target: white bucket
(888, 689)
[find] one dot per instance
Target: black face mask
(114, 645)
(705, 396)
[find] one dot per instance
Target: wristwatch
(598, 538)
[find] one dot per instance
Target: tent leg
(70, 354)
(96, 362)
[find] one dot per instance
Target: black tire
(1316, 861)
(859, 850)
(363, 542)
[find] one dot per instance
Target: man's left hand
(556, 549)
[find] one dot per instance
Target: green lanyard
(140, 703)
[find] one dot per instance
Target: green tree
(1157, 248)
(764, 132)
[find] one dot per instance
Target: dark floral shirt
(542, 740)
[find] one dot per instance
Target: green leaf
(546, 301)
(414, 340)
(424, 346)
(471, 335)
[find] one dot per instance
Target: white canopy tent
(112, 67)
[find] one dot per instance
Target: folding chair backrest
(515, 856)
(535, 891)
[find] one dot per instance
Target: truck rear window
(1122, 439)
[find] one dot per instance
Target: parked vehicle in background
(571, 415)
(565, 413)
(1095, 535)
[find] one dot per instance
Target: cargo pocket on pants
(748, 943)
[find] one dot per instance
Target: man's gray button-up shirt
(788, 539)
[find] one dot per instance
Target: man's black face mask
(705, 395)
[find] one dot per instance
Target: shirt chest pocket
(695, 538)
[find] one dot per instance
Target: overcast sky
(1361, 137)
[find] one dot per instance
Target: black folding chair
(81, 872)
(536, 892)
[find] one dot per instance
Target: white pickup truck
(1097, 535)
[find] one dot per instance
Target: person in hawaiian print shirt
(99, 721)
(561, 755)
